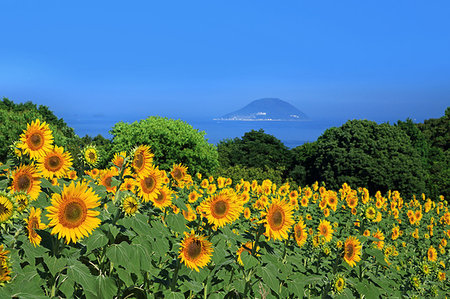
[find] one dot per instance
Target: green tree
(363, 153)
(171, 141)
(14, 118)
(255, 149)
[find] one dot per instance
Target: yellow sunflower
(163, 198)
(36, 140)
(149, 185)
(179, 172)
(22, 200)
(380, 236)
(26, 179)
(352, 251)
(71, 213)
(278, 219)
(90, 155)
(106, 177)
(55, 162)
(195, 251)
(4, 268)
(432, 254)
(6, 207)
(34, 222)
(142, 160)
(130, 204)
(325, 230)
(300, 233)
(128, 184)
(247, 213)
(119, 158)
(221, 208)
(339, 284)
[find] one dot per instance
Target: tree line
(412, 158)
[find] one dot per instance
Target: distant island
(267, 109)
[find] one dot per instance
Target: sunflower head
(300, 233)
(352, 250)
(34, 222)
(339, 283)
(7, 207)
(36, 140)
(222, 208)
(195, 251)
(130, 204)
(149, 185)
(119, 159)
(142, 160)
(90, 155)
(72, 213)
(22, 200)
(26, 179)
(179, 172)
(163, 198)
(432, 254)
(55, 163)
(278, 219)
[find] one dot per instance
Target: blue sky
(379, 60)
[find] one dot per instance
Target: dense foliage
(172, 141)
(131, 230)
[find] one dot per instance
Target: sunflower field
(136, 231)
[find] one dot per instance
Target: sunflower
(130, 204)
(128, 184)
(90, 155)
(222, 208)
(22, 200)
(195, 251)
(190, 214)
(119, 158)
(6, 207)
(106, 179)
(193, 196)
(179, 172)
(278, 219)
(71, 213)
(26, 179)
(247, 213)
(149, 185)
(36, 140)
(163, 198)
(380, 236)
(4, 269)
(248, 246)
(34, 222)
(325, 230)
(55, 163)
(300, 233)
(432, 254)
(352, 250)
(395, 232)
(371, 213)
(142, 160)
(72, 174)
(339, 284)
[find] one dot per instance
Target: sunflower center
(194, 249)
(277, 218)
(36, 141)
(220, 208)
(324, 230)
(91, 156)
(139, 160)
(73, 214)
(108, 182)
(349, 251)
(24, 182)
(340, 283)
(3, 209)
(177, 174)
(160, 198)
(149, 183)
(34, 224)
(54, 163)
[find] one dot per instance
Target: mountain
(268, 109)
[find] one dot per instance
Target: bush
(171, 141)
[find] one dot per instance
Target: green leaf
(105, 287)
(378, 255)
(173, 295)
(248, 260)
(120, 255)
(176, 222)
(269, 278)
(125, 276)
(4, 184)
(346, 294)
(368, 290)
(193, 285)
(46, 184)
(96, 240)
(30, 278)
(54, 264)
(67, 286)
(80, 273)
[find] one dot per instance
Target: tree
(363, 153)
(255, 149)
(171, 141)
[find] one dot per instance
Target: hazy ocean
(291, 133)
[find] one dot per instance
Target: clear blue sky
(380, 60)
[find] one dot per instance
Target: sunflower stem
(258, 234)
(175, 275)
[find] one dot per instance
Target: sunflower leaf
(96, 240)
(176, 222)
(80, 273)
(268, 278)
(105, 287)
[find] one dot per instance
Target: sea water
(291, 133)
